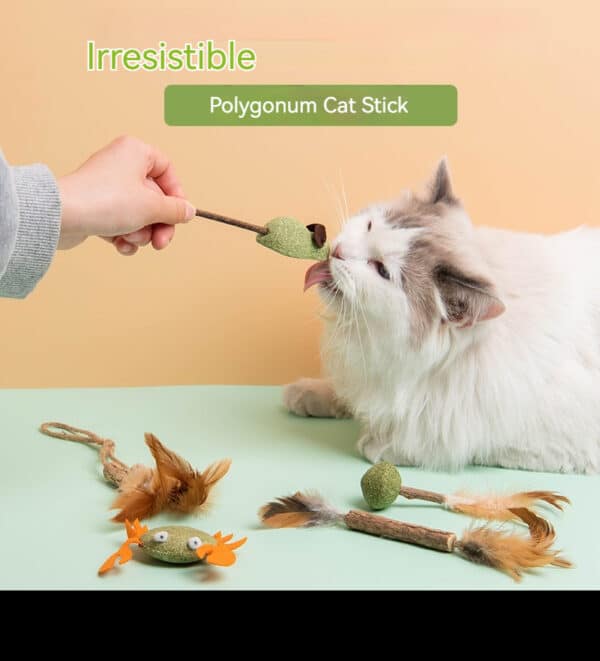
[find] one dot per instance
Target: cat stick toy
(286, 236)
(512, 553)
(382, 484)
(173, 484)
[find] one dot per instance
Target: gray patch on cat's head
(441, 264)
(414, 211)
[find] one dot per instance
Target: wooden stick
(259, 229)
(374, 524)
(421, 494)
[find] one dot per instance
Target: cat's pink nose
(337, 253)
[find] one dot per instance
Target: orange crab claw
(221, 553)
(109, 563)
(134, 531)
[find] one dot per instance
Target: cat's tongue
(317, 273)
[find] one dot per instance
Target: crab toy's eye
(161, 536)
(194, 543)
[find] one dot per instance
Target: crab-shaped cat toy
(175, 544)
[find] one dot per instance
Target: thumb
(172, 210)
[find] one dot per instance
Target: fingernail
(126, 248)
(190, 211)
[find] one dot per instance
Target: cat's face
(410, 266)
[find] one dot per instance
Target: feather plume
(136, 503)
(139, 495)
(299, 510)
(170, 466)
(174, 485)
(512, 552)
(216, 471)
(498, 507)
(195, 493)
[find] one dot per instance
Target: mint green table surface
(55, 524)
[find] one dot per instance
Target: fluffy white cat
(454, 344)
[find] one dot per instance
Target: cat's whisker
(344, 196)
(340, 201)
(338, 208)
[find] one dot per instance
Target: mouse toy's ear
(319, 233)
(440, 187)
(467, 299)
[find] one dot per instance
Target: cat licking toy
(453, 343)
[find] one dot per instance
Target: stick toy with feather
(382, 484)
(173, 484)
(512, 553)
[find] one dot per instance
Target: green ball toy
(381, 485)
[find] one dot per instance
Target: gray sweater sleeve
(29, 226)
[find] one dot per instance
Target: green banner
(310, 105)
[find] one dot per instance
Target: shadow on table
(197, 571)
(339, 436)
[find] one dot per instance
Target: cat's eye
(161, 536)
(383, 272)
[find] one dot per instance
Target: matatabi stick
(259, 229)
(374, 524)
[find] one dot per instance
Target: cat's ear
(440, 187)
(467, 299)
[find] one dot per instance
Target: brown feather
(512, 552)
(183, 487)
(216, 471)
(499, 508)
(173, 485)
(297, 511)
(139, 494)
(169, 463)
(195, 493)
(136, 504)
(288, 520)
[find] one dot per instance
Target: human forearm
(30, 212)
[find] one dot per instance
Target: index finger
(161, 170)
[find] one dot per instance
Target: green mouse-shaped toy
(284, 235)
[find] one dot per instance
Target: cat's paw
(375, 451)
(370, 448)
(313, 398)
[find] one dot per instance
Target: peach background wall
(214, 307)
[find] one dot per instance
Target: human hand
(126, 193)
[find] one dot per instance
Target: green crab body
(175, 544)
